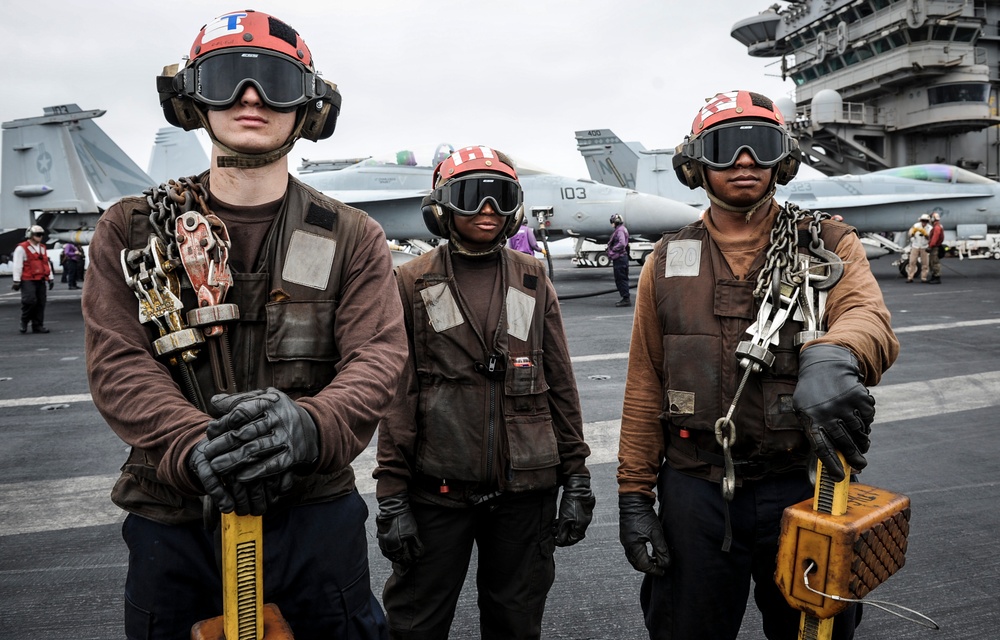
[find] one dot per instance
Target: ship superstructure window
(823, 40)
(959, 92)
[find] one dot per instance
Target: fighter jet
(561, 207)
(62, 171)
(890, 200)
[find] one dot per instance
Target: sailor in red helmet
(486, 425)
(757, 331)
(239, 339)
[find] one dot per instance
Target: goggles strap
(240, 160)
(749, 210)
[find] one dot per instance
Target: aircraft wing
(396, 210)
(824, 203)
(355, 196)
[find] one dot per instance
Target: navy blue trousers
(315, 570)
(620, 266)
(705, 591)
(516, 568)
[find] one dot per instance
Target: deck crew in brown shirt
(732, 383)
(316, 348)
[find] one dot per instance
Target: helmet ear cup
(789, 165)
(320, 116)
(513, 223)
(433, 217)
(178, 109)
(181, 112)
(685, 169)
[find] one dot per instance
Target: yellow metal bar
(242, 577)
(830, 497)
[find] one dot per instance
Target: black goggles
(218, 80)
(466, 195)
(719, 147)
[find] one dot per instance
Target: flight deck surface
(935, 439)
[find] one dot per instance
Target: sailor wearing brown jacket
(486, 425)
(299, 281)
(732, 382)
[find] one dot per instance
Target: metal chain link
(779, 264)
(780, 258)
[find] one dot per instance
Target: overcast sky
(518, 75)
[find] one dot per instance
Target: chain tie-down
(180, 216)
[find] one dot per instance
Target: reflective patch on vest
(309, 260)
(520, 310)
(680, 403)
(683, 258)
(442, 310)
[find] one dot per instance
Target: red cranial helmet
(463, 183)
(250, 29)
(244, 48)
(471, 160)
(736, 105)
(729, 124)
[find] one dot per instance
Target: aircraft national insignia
(44, 162)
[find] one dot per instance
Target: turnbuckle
(203, 242)
(812, 305)
(158, 290)
(754, 355)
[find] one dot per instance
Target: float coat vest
(492, 429)
(284, 337)
(36, 262)
(701, 371)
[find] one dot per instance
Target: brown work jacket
(313, 323)
(481, 413)
(683, 368)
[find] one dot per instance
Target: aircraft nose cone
(649, 215)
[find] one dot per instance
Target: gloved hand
(16, 286)
(835, 409)
(254, 498)
(52, 283)
(638, 526)
(397, 530)
(576, 510)
(261, 435)
(214, 487)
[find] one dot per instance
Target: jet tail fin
(60, 170)
(609, 160)
(176, 153)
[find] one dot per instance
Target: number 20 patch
(683, 258)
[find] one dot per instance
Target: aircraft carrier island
(886, 83)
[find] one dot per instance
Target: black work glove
(16, 286)
(261, 435)
(52, 283)
(638, 526)
(835, 409)
(397, 530)
(213, 484)
(576, 510)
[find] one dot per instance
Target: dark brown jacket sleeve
(133, 390)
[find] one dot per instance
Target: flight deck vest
(284, 337)
(701, 371)
(483, 415)
(36, 262)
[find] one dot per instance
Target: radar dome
(827, 106)
(787, 108)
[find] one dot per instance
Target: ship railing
(856, 113)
